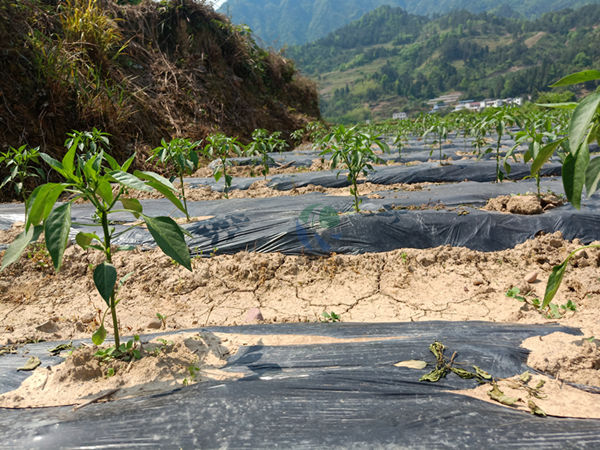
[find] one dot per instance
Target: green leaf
(151, 176)
(576, 78)
(85, 239)
(133, 205)
(129, 180)
(554, 281)
(112, 162)
(573, 174)
(592, 176)
(67, 163)
(544, 154)
(168, 193)
(581, 119)
(16, 248)
(105, 278)
(42, 201)
(127, 164)
(57, 166)
(168, 236)
(32, 363)
(105, 191)
(99, 335)
(56, 231)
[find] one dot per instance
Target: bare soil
(443, 283)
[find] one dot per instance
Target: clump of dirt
(524, 204)
(149, 71)
(565, 357)
(166, 363)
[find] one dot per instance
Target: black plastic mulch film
(342, 395)
(317, 224)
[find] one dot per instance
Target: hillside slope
(392, 60)
(141, 73)
(291, 22)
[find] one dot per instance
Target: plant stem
(354, 184)
(108, 254)
(187, 214)
(226, 188)
(498, 160)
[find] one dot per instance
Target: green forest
(293, 22)
(392, 60)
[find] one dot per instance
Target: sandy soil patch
(544, 395)
(260, 189)
(166, 363)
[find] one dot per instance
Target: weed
(550, 311)
(193, 371)
(39, 255)
(129, 351)
(330, 317)
(162, 318)
(221, 147)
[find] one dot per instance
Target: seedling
(182, 156)
(162, 318)
(22, 163)
(87, 177)
(499, 119)
(264, 143)
(221, 147)
(353, 149)
(330, 317)
(440, 128)
(193, 371)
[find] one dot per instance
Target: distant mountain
(393, 60)
(288, 22)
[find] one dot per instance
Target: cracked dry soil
(444, 283)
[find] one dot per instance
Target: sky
(217, 3)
